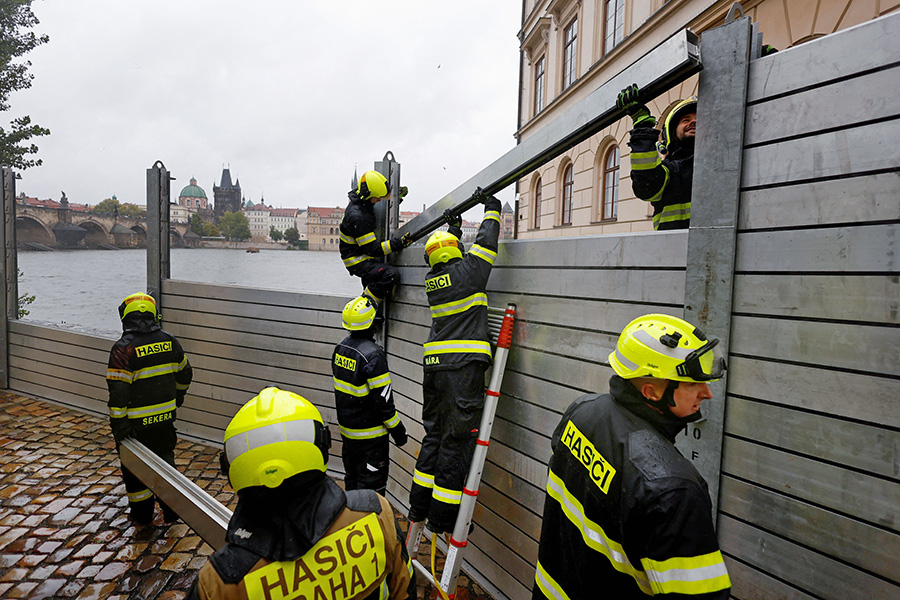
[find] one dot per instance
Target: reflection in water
(80, 289)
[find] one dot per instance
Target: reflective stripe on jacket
(147, 376)
(626, 516)
(363, 393)
(358, 242)
(456, 294)
(664, 182)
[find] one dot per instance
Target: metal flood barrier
(791, 260)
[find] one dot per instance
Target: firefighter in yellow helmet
(626, 515)
(359, 246)
(457, 354)
(364, 400)
(147, 376)
(294, 532)
(662, 172)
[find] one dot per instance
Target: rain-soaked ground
(64, 529)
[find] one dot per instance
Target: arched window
(570, 47)
(609, 209)
(538, 187)
(567, 192)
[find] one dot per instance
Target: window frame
(568, 184)
(570, 54)
(539, 82)
(605, 173)
(537, 195)
(618, 17)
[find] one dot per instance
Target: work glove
(629, 100)
(400, 242)
(402, 193)
(122, 431)
(452, 219)
(480, 195)
(398, 434)
(179, 400)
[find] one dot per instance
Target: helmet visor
(703, 364)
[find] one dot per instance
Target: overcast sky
(289, 94)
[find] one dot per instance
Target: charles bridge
(41, 227)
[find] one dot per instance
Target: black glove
(121, 432)
(402, 194)
(629, 100)
(400, 242)
(398, 434)
(452, 219)
(479, 195)
(179, 400)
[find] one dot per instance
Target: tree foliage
(234, 226)
(16, 19)
(202, 228)
(292, 235)
(111, 206)
(275, 235)
(23, 299)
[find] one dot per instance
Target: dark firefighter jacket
(665, 183)
(358, 241)
(147, 377)
(626, 516)
(363, 393)
(309, 541)
(456, 294)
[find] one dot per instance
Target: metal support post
(158, 261)
(9, 272)
(387, 219)
(709, 276)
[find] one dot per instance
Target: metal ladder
(459, 539)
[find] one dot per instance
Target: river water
(81, 289)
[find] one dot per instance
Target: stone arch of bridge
(32, 230)
(97, 234)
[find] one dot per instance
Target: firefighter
(294, 532)
(148, 377)
(457, 354)
(359, 246)
(364, 400)
(662, 172)
(626, 515)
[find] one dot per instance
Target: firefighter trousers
(451, 415)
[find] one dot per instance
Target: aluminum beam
(665, 66)
(9, 272)
(200, 511)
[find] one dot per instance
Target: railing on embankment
(792, 259)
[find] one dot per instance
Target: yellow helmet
(373, 184)
(688, 105)
(358, 315)
(276, 435)
(441, 247)
(139, 302)
(666, 347)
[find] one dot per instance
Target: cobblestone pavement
(64, 529)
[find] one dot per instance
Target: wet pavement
(64, 529)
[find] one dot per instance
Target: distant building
(323, 228)
(29, 201)
(226, 196)
(193, 197)
(258, 220)
(300, 222)
(507, 222)
(283, 219)
(179, 214)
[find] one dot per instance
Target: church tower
(227, 196)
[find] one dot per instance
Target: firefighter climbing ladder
(459, 538)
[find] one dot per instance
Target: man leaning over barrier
(294, 532)
(626, 515)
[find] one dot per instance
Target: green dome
(192, 191)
